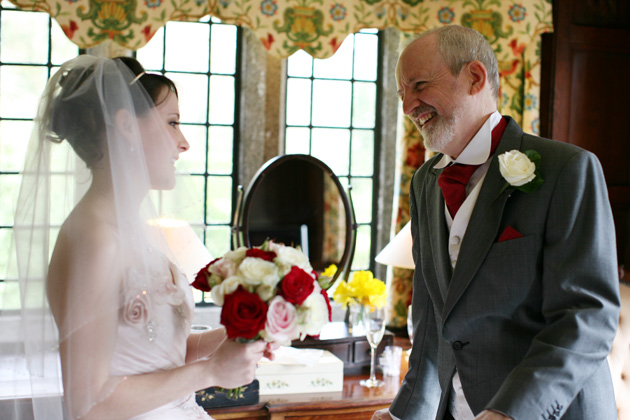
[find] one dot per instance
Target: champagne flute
(374, 324)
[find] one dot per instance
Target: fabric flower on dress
(136, 310)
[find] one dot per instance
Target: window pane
(332, 146)
(339, 66)
(11, 292)
(219, 203)
(62, 49)
(344, 181)
(221, 100)
(21, 87)
(300, 64)
(340, 116)
(361, 259)
(297, 140)
(152, 54)
(222, 49)
(331, 103)
(20, 31)
(220, 152)
(362, 153)
(193, 160)
(364, 105)
(298, 102)
(362, 197)
(8, 265)
(185, 201)
(9, 185)
(14, 137)
(187, 46)
(218, 240)
(366, 56)
(193, 99)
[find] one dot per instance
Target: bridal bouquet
(269, 292)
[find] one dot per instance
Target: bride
(121, 309)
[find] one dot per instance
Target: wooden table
(354, 402)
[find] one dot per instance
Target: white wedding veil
(82, 225)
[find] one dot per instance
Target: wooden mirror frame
(242, 216)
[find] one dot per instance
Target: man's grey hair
(459, 46)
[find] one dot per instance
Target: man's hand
(382, 415)
(492, 415)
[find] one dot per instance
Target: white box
(322, 372)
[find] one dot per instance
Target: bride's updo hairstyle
(76, 109)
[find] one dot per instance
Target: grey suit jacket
(527, 322)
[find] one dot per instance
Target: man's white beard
(442, 131)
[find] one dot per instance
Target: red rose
(296, 286)
(201, 279)
(244, 314)
(259, 253)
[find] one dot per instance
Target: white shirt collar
(477, 151)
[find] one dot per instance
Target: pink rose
(281, 324)
(137, 309)
(223, 267)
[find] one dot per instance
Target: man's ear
(478, 76)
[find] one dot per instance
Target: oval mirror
(297, 200)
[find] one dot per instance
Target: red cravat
(454, 178)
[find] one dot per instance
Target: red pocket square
(509, 233)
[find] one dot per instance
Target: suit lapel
(484, 221)
(438, 232)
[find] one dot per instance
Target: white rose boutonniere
(520, 170)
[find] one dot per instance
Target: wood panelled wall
(585, 97)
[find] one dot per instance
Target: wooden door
(590, 95)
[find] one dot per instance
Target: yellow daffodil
(325, 279)
(362, 289)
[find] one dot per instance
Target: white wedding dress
(154, 324)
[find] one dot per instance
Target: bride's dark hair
(76, 114)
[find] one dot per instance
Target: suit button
(458, 345)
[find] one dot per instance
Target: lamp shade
(189, 252)
(398, 252)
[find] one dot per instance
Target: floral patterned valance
(284, 26)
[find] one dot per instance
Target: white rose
(256, 271)
(288, 257)
(516, 168)
(227, 287)
(266, 292)
(236, 255)
(312, 315)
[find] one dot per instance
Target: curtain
(284, 26)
